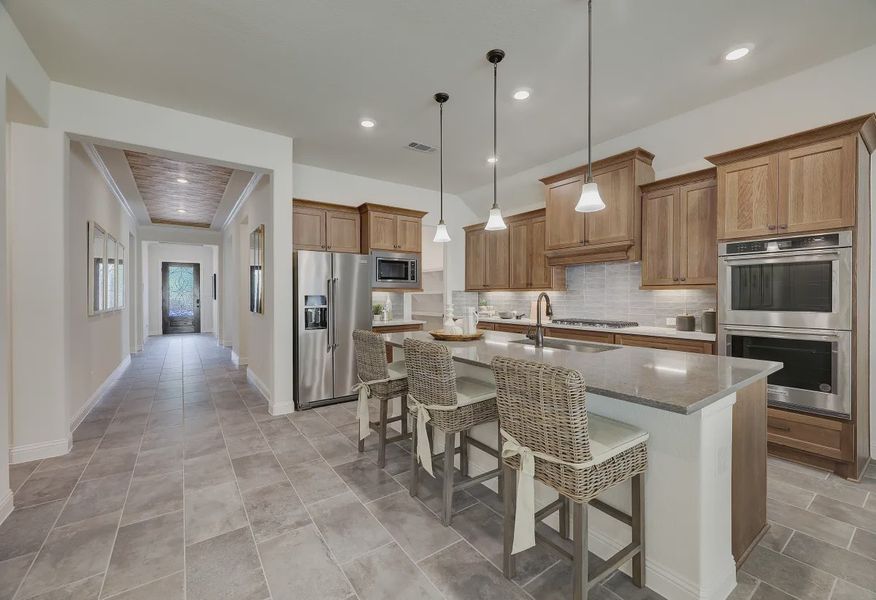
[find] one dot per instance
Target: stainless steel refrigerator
(332, 298)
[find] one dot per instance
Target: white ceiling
(312, 68)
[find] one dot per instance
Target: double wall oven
(790, 300)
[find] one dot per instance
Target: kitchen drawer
(487, 326)
(397, 328)
(810, 433)
(661, 343)
(603, 337)
(510, 328)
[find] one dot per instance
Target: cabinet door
(475, 250)
(409, 232)
(342, 231)
(697, 236)
(540, 273)
(748, 198)
(817, 186)
(382, 231)
(497, 273)
(615, 222)
(659, 237)
(519, 258)
(308, 228)
(565, 227)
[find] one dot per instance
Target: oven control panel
(808, 242)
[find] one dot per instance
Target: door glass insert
(181, 292)
(785, 287)
(808, 364)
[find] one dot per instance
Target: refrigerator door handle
(334, 295)
(330, 314)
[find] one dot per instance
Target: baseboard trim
(254, 379)
(6, 506)
(99, 392)
(238, 360)
(40, 450)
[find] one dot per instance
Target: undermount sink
(570, 345)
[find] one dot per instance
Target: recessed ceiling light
(521, 94)
(367, 123)
(492, 159)
(737, 53)
(181, 210)
(182, 180)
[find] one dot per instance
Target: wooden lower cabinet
(748, 494)
(665, 343)
(510, 327)
(602, 337)
(821, 436)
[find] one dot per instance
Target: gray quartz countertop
(680, 382)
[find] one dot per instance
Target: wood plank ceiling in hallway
(170, 201)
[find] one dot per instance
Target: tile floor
(181, 485)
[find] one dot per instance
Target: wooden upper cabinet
(390, 228)
(342, 231)
(566, 228)
(510, 259)
(698, 236)
(613, 233)
(308, 227)
(817, 186)
(408, 233)
(615, 222)
(519, 234)
(659, 233)
(475, 239)
(748, 197)
(382, 231)
(322, 226)
(806, 182)
(679, 222)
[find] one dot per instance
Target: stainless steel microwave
(395, 270)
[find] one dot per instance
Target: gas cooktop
(595, 323)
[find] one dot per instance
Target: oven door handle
(782, 258)
(828, 336)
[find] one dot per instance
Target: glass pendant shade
(590, 200)
(441, 235)
(495, 222)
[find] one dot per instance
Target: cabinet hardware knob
(771, 227)
(684, 278)
(675, 279)
(783, 226)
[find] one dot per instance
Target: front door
(180, 298)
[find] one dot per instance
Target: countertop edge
(699, 336)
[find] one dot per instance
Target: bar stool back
(382, 381)
(550, 437)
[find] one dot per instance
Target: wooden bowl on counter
(456, 337)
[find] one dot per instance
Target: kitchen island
(705, 488)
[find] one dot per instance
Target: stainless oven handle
(805, 334)
(765, 259)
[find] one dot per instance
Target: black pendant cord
(441, 158)
(495, 156)
(589, 88)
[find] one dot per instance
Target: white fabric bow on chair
(424, 448)
(362, 406)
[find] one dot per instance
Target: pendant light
(441, 235)
(495, 222)
(590, 200)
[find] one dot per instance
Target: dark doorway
(180, 298)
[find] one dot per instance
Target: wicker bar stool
(451, 405)
(382, 381)
(549, 436)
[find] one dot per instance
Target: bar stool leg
(449, 451)
(501, 488)
(565, 517)
(381, 431)
(415, 466)
(463, 453)
(404, 416)
(638, 514)
(509, 506)
(579, 544)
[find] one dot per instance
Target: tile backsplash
(605, 291)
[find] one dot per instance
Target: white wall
(324, 185)
(187, 253)
(21, 78)
(831, 92)
(99, 344)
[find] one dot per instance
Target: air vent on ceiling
(419, 147)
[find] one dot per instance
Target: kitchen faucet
(538, 336)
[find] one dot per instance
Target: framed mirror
(256, 270)
(96, 269)
(112, 250)
(120, 277)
